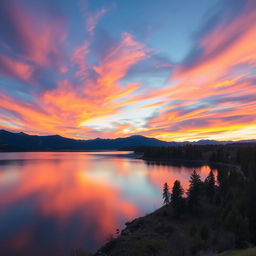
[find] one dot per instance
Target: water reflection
(52, 202)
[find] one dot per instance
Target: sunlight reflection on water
(51, 202)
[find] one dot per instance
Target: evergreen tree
(209, 184)
(194, 190)
(222, 178)
(177, 200)
(166, 194)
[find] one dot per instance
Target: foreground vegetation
(246, 252)
(211, 217)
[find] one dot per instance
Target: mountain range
(10, 141)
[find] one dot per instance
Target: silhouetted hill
(21, 141)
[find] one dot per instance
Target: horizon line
(173, 141)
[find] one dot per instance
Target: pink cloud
(15, 68)
(93, 19)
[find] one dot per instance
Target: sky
(175, 70)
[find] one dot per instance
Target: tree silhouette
(194, 190)
(166, 194)
(209, 184)
(177, 200)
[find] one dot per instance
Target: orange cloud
(215, 96)
(72, 105)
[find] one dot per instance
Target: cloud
(34, 41)
(93, 19)
(224, 70)
(15, 68)
(82, 97)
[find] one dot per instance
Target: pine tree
(194, 190)
(177, 200)
(222, 178)
(209, 184)
(166, 194)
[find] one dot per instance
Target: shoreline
(201, 162)
(133, 228)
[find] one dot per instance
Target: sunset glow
(184, 70)
(98, 192)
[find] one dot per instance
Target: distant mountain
(10, 141)
(21, 141)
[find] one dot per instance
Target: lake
(52, 202)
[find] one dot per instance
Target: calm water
(52, 202)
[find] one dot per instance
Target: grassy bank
(247, 252)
